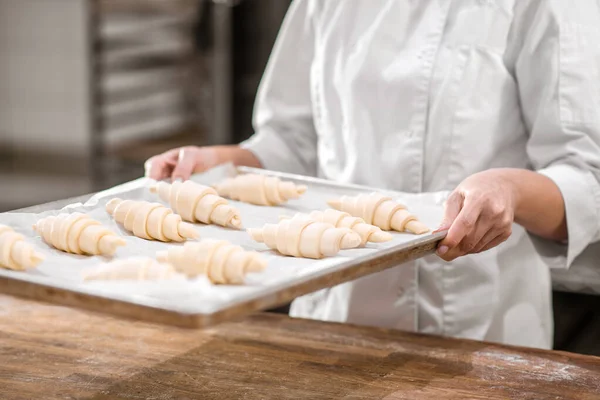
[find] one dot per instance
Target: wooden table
(52, 352)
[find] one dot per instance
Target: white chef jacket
(415, 96)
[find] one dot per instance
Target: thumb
(186, 163)
(452, 208)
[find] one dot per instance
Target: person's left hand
(478, 215)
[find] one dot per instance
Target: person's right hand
(181, 163)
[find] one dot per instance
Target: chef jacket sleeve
(285, 138)
(558, 73)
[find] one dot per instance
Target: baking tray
(197, 303)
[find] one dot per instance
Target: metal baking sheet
(196, 302)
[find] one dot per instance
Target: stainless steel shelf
(123, 25)
(149, 128)
(142, 53)
(124, 81)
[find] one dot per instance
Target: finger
(498, 240)
(486, 225)
(160, 167)
(491, 235)
(503, 223)
(186, 163)
(463, 225)
(471, 240)
(452, 207)
(451, 254)
(156, 168)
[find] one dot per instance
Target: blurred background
(89, 89)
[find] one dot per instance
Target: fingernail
(442, 250)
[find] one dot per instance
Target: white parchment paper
(64, 270)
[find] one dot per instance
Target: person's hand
(478, 215)
(181, 163)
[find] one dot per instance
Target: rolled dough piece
(132, 269)
(339, 219)
(78, 233)
(221, 261)
(302, 236)
(380, 210)
(15, 252)
(259, 189)
(198, 203)
(151, 221)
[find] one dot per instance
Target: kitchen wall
(44, 79)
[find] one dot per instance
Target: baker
(497, 101)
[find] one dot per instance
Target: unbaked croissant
(78, 233)
(221, 261)
(198, 203)
(15, 252)
(151, 221)
(134, 268)
(301, 236)
(339, 219)
(380, 210)
(259, 189)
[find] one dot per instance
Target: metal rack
(141, 60)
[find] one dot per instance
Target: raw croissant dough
(259, 189)
(198, 203)
(134, 268)
(15, 253)
(301, 236)
(379, 210)
(221, 261)
(78, 233)
(151, 221)
(339, 219)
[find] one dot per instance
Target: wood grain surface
(53, 352)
